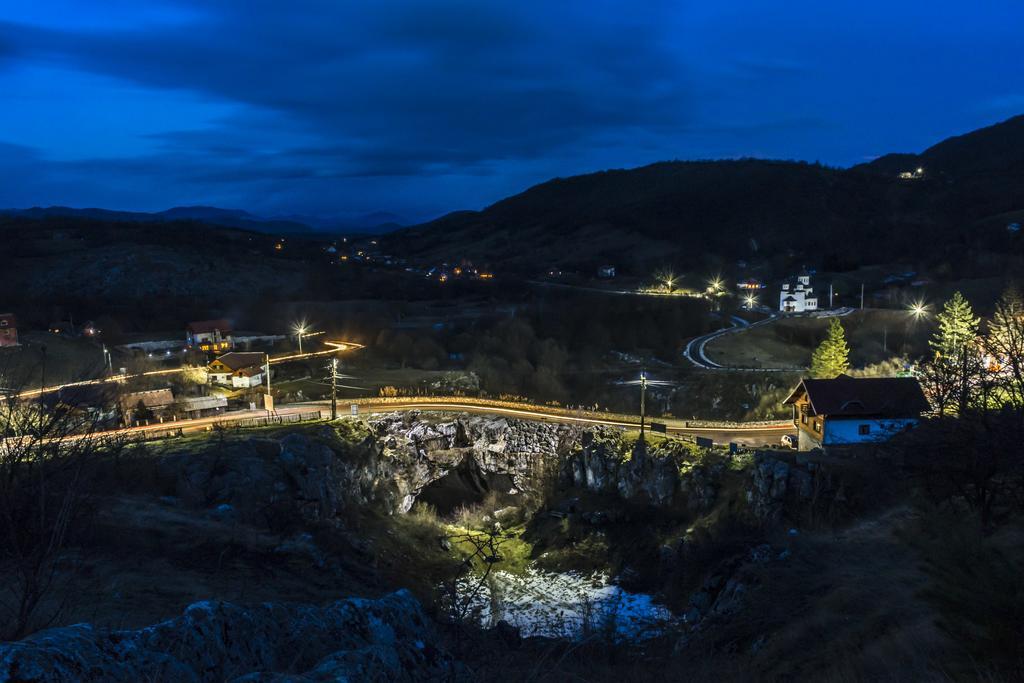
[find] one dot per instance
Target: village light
(918, 309)
(751, 299)
(300, 329)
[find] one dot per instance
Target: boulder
(354, 639)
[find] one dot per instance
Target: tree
(958, 327)
(1005, 346)
(48, 462)
(952, 378)
(832, 357)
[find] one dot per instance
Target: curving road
(755, 435)
(760, 434)
(695, 349)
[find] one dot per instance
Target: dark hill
(233, 218)
(990, 151)
(693, 213)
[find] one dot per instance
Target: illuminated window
(817, 426)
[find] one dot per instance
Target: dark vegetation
(696, 214)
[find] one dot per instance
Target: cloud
(425, 107)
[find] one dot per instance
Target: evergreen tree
(952, 377)
(832, 357)
(958, 328)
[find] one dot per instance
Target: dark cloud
(424, 107)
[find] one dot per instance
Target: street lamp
(750, 301)
(918, 309)
(300, 329)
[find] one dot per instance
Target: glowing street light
(918, 309)
(300, 329)
(750, 301)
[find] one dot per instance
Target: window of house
(817, 426)
(803, 418)
(864, 430)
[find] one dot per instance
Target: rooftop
(847, 396)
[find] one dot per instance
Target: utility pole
(333, 367)
(862, 296)
(830, 296)
(643, 392)
(108, 360)
(269, 399)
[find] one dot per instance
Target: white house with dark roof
(848, 410)
(238, 369)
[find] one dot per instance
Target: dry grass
(873, 335)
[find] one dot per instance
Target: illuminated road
(336, 347)
(755, 435)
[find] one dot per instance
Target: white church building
(797, 295)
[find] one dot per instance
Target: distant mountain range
(371, 223)
(708, 213)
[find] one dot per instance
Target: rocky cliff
(387, 461)
(662, 473)
(351, 640)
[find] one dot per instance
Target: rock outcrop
(350, 640)
(661, 474)
(806, 491)
(312, 475)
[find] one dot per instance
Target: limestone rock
(354, 639)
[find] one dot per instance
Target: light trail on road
(336, 347)
(752, 435)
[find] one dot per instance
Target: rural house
(140, 405)
(797, 295)
(213, 336)
(8, 330)
(848, 411)
(239, 369)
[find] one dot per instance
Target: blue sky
(333, 108)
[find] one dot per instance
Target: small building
(201, 406)
(93, 402)
(854, 410)
(212, 336)
(8, 330)
(606, 272)
(238, 369)
(140, 405)
(750, 284)
(797, 295)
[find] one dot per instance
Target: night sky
(336, 108)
